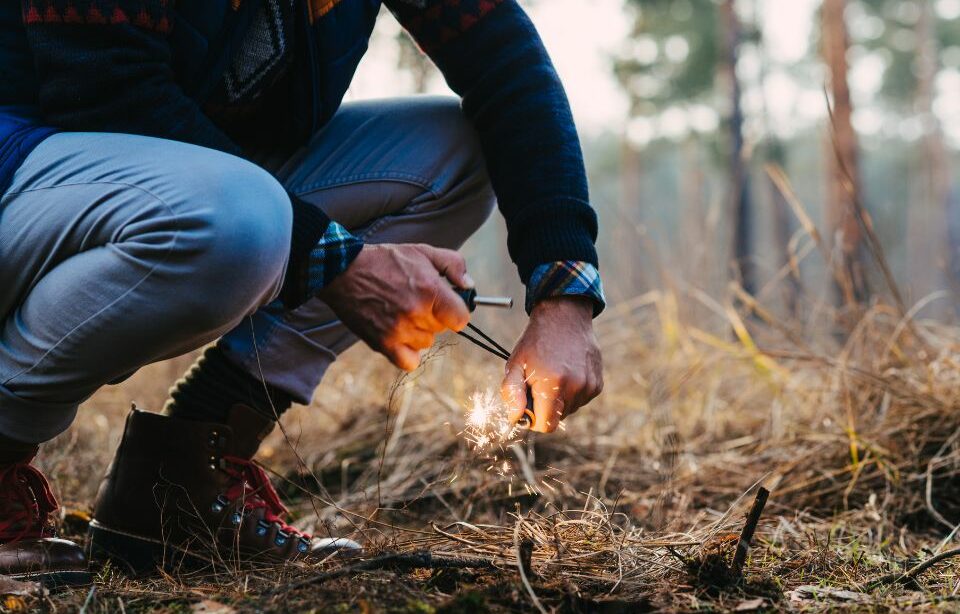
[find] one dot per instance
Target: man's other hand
(395, 298)
(558, 358)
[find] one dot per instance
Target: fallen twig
(913, 572)
(401, 561)
(525, 551)
(523, 561)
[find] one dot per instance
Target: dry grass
(636, 506)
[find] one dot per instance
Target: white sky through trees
(583, 36)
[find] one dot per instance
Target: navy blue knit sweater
(107, 65)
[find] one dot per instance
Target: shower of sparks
(490, 435)
(489, 431)
(489, 428)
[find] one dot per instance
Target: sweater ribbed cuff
(555, 232)
(309, 225)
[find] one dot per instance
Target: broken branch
(746, 535)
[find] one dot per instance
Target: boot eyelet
(213, 462)
(219, 505)
(236, 518)
(281, 538)
(262, 527)
(303, 546)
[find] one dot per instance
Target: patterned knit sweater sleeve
(105, 66)
(491, 55)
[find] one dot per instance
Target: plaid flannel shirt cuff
(331, 256)
(566, 278)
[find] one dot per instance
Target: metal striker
(473, 300)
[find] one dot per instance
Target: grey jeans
(117, 251)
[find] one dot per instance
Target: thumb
(450, 264)
(545, 410)
(405, 357)
(514, 391)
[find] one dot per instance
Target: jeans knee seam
(410, 208)
(121, 184)
(411, 179)
(146, 276)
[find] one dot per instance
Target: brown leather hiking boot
(181, 491)
(28, 549)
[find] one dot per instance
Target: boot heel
(132, 555)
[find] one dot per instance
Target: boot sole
(137, 556)
(56, 579)
(134, 555)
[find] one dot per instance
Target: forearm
(496, 61)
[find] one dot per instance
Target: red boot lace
(252, 486)
(26, 503)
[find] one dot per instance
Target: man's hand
(395, 298)
(558, 358)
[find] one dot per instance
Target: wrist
(570, 305)
(565, 278)
(352, 262)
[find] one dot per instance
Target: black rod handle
(469, 296)
(472, 300)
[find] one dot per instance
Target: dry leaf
(208, 606)
(749, 605)
(76, 521)
(13, 603)
(78, 516)
(9, 586)
(803, 593)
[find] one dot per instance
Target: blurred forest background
(688, 108)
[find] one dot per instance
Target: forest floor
(636, 506)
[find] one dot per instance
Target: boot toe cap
(334, 545)
(48, 560)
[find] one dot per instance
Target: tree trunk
(844, 189)
(930, 252)
(739, 179)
